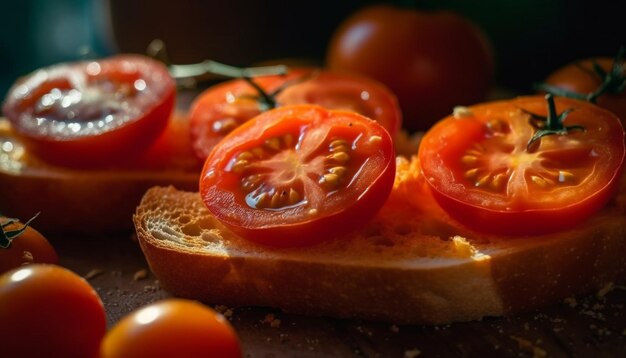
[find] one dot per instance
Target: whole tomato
(49, 311)
(172, 328)
(21, 244)
(601, 80)
(433, 61)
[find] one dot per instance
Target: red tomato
(172, 328)
(580, 77)
(49, 311)
(480, 169)
(26, 247)
(222, 108)
(88, 113)
(298, 175)
(431, 61)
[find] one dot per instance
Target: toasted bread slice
(102, 200)
(411, 264)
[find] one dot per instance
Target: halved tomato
(299, 175)
(88, 113)
(223, 107)
(485, 171)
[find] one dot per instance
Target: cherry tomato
(298, 175)
(222, 108)
(87, 113)
(482, 170)
(27, 247)
(580, 77)
(49, 311)
(431, 61)
(172, 328)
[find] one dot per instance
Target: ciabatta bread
(412, 264)
(101, 200)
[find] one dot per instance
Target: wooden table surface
(591, 326)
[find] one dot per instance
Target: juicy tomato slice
(299, 175)
(482, 173)
(221, 108)
(88, 113)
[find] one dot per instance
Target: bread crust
(194, 256)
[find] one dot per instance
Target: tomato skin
(579, 77)
(135, 90)
(29, 247)
(231, 102)
(431, 61)
(49, 311)
(565, 181)
(172, 328)
(313, 218)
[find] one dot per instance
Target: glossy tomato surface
(172, 328)
(221, 108)
(299, 175)
(88, 113)
(483, 173)
(49, 311)
(27, 247)
(580, 77)
(432, 61)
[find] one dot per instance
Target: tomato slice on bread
(299, 175)
(486, 172)
(84, 114)
(223, 107)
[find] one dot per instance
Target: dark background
(530, 37)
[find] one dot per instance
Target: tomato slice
(482, 171)
(299, 175)
(223, 107)
(93, 112)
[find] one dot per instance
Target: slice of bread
(411, 264)
(102, 200)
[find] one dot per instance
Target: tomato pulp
(484, 173)
(299, 175)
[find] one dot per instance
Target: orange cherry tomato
(88, 113)
(298, 175)
(49, 311)
(580, 77)
(172, 328)
(26, 247)
(220, 109)
(484, 173)
(431, 61)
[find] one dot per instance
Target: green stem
(220, 69)
(552, 123)
(6, 237)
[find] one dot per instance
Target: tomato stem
(6, 237)
(552, 124)
(268, 101)
(612, 82)
(157, 50)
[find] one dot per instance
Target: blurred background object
(531, 37)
